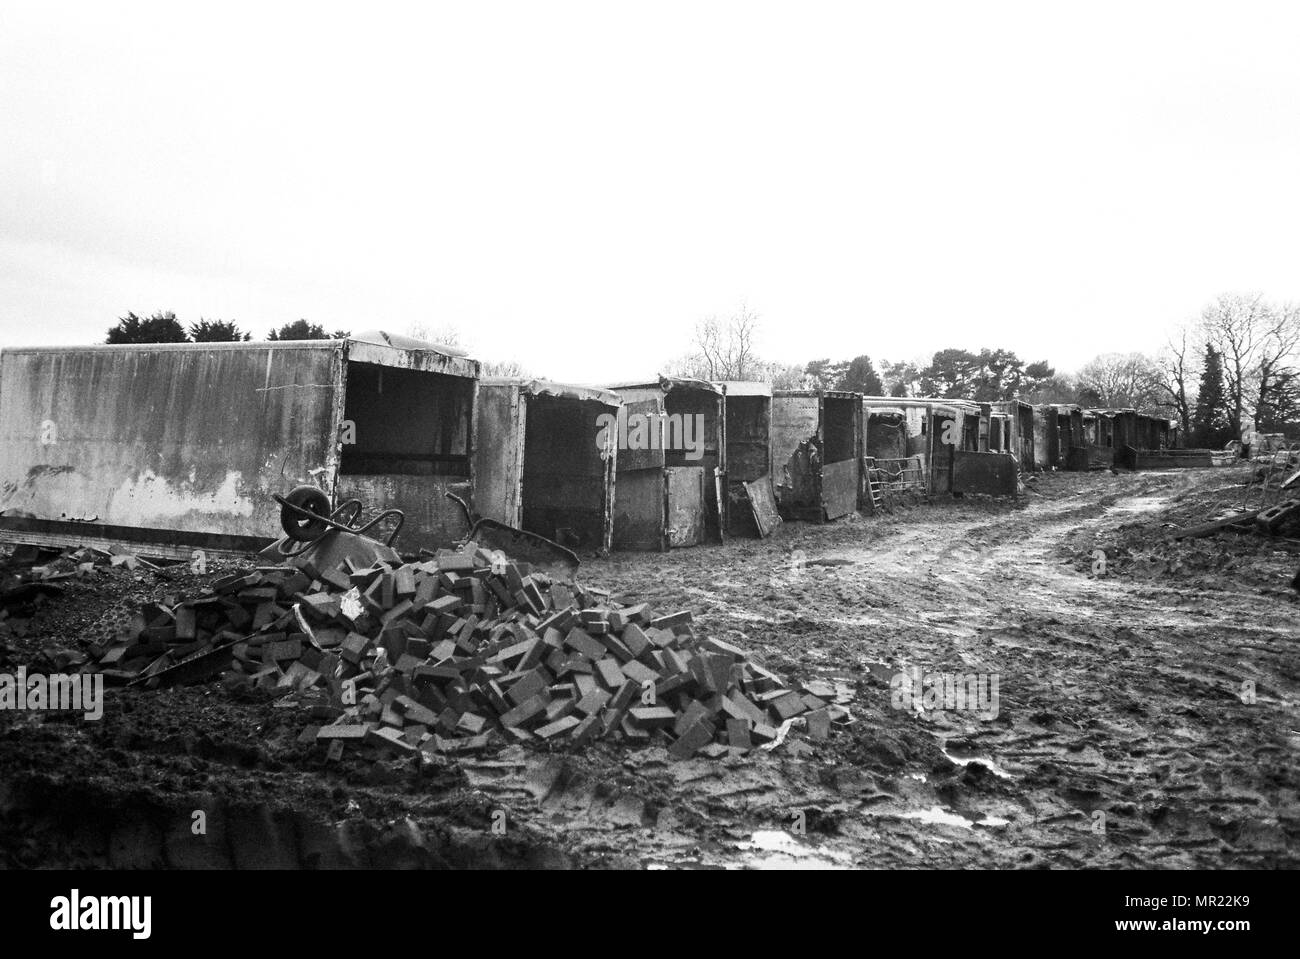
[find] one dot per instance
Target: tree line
(1234, 366)
(164, 327)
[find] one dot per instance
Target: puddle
(1138, 504)
(776, 849)
(987, 763)
(938, 816)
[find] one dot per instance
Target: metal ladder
(874, 486)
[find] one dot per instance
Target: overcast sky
(575, 185)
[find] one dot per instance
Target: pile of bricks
(465, 650)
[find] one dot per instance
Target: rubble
(463, 650)
(30, 577)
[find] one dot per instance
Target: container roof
(377, 347)
(667, 384)
(571, 391)
(745, 387)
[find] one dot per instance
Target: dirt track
(1120, 706)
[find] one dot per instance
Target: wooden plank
(1205, 529)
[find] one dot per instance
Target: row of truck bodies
(179, 447)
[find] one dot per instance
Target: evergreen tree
(217, 331)
(299, 330)
(1211, 424)
(860, 377)
(159, 328)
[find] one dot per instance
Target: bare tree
(503, 368)
(1122, 380)
(1274, 368)
(445, 335)
(724, 349)
(1175, 372)
(1236, 325)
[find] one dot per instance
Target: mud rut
(1118, 696)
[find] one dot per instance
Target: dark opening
(690, 430)
(406, 422)
(748, 429)
(564, 476)
(838, 428)
(690, 438)
(886, 437)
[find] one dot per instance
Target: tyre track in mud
(1118, 695)
(1121, 729)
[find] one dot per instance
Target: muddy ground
(1125, 735)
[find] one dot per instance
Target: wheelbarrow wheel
(305, 529)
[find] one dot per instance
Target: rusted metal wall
(432, 521)
(748, 435)
(993, 474)
(686, 487)
(1044, 436)
(500, 416)
(653, 494)
(568, 478)
(885, 435)
(537, 462)
(796, 455)
(949, 422)
(639, 510)
(839, 488)
(178, 439)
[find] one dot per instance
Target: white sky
(574, 185)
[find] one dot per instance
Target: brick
(723, 647)
(616, 647)
(584, 643)
(789, 705)
(819, 725)
(414, 712)
(738, 733)
(609, 673)
(698, 735)
(391, 739)
(813, 703)
(593, 702)
(348, 731)
(652, 717)
(673, 621)
(527, 686)
(586, 730)
(562, 706)
(662, 638)
(445, 604)
(529, 710)
(404, 581)
(639, 673)
(620, 618)
(289, 649)
(471, 723)
(635, 639)
(693, 713)
(354, 647)
(671, 684)
(633, 732)
(558, 728)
